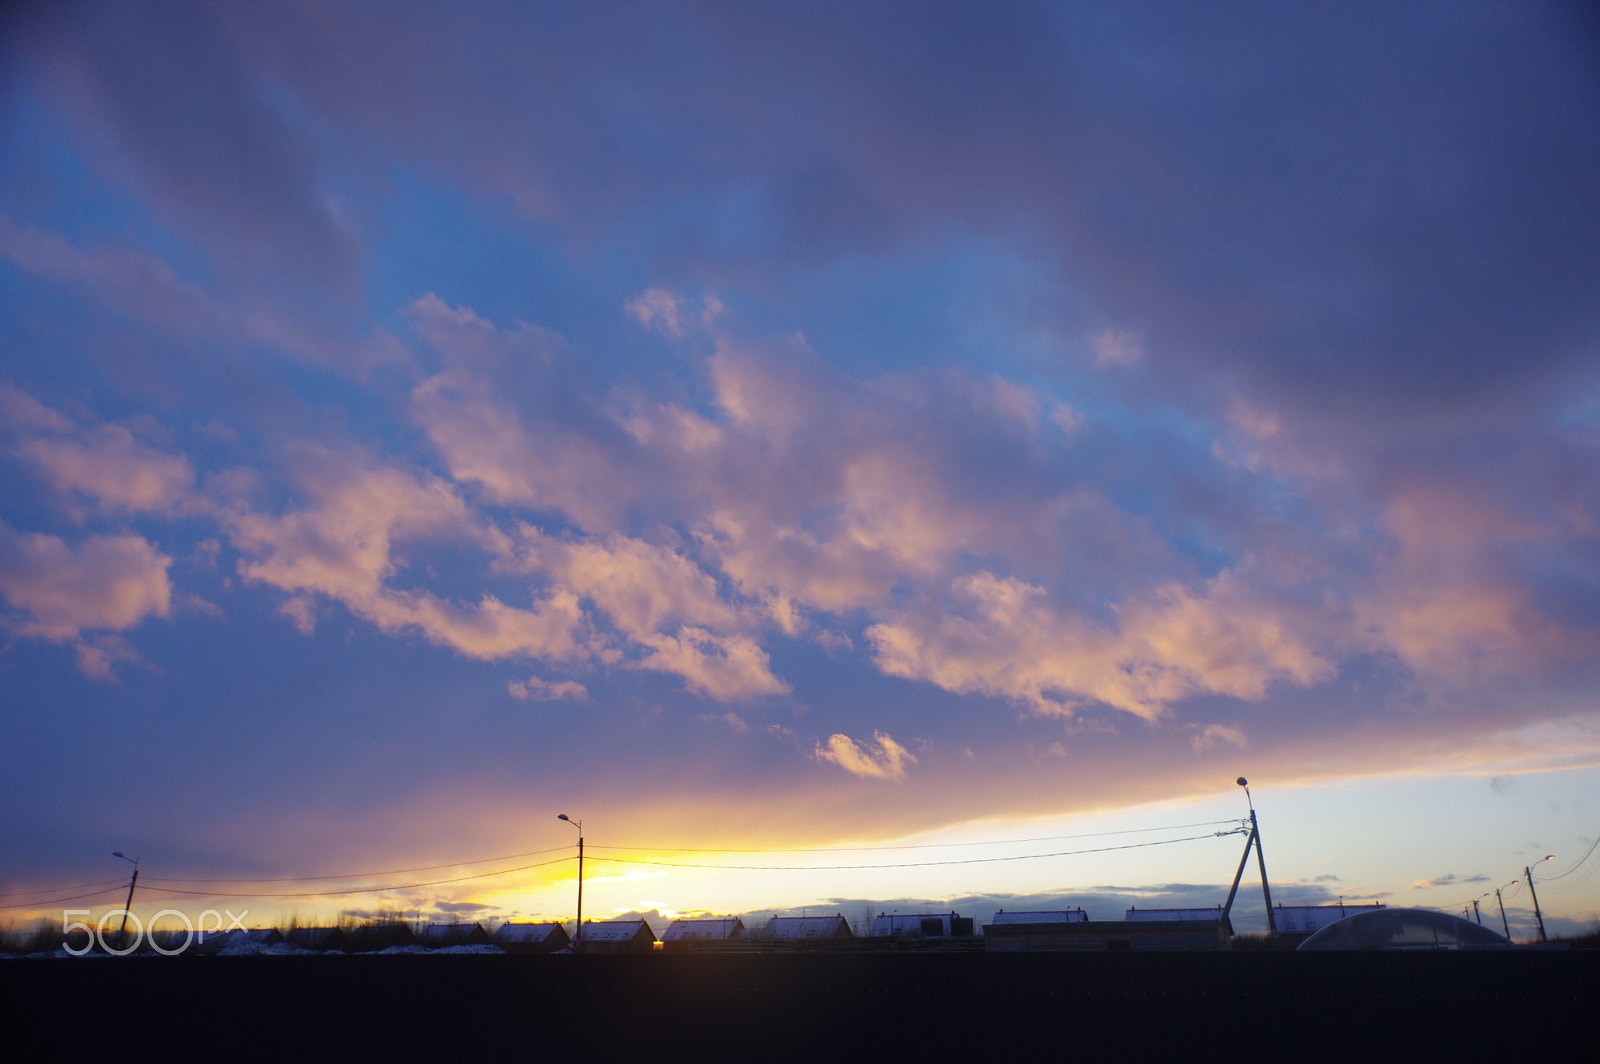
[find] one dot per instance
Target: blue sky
(797, 426)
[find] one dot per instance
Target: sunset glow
(854, 456)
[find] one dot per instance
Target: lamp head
(563, 816)
(1241, 781)
(119, 853)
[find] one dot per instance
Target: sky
(775, 433)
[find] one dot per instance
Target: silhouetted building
(1140, 935)
(618, 936)
(530, 937)
(1136, 913)
(685, 934)
(436, 936)
(921, 925)
(1041, 916)
(1407, 929)
(792, 928)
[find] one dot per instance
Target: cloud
(533, 689)
(1209, 735)
(104, 583)
(1012, 641)
(723, 667)
(1117, 347)
(104, 463)
(657, 309)
(342, 545)
(882, 758)
(179, 106)
(108, 465)
(1448, 880)
(99, 655)
(640, 587)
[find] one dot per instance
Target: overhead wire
(916, 846)
(910, 864)
(1579, 864)
(58, 901)
(370, 889)
(57, 890)
(355, 875)
(158, 882)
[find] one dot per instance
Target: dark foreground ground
(1238, 1006)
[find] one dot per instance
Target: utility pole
(1261, 861)
(1527, 870)
(577, 940)
(1502, 904)
(1477, 915)
(122, 936)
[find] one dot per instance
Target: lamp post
(1527, 870)
(1502, 903)
(577, 941)
(1261, 858)
(122, 936)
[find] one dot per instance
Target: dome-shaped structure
(1405, 929)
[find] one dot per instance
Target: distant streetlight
(577, 941)
(122, 936)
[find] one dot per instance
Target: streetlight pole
(1527, 870)
(122, 936)
(1502, 903)
(1261, 857)
(577, 941)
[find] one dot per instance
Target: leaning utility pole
(1261, 861)
(1527, 871)
(122, 936)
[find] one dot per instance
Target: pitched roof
(1042, 916)
(807, 927)
(615, 930)
(721, 927)
(528, 931)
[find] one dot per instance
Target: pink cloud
(638, 586)
(881, 758)
(106, 463)
(110, 466)
(343, 546)
(724, 667)
(106, 582)
(98, 656)
(533, 689)
(1012, 641)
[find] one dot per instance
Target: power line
(58, 901)
(912, 864)
(155, 881)
(1589, 853)
(360, 875)
(359, 890)
(913, 846)
(57, 890)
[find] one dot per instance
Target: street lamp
(122, 936)
(1527, 870)
(577, 941)
(1261, 857)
